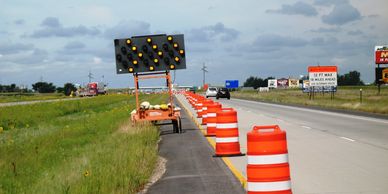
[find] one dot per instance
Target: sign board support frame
(145, 115)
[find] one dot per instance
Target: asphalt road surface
(190, 166)
(328, 152)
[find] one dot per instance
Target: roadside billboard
(381, 54)
(382, 75)
(282, 83)
(293, 83)
(272, 83)
(230, 84)
(306, 88)
(323, 76)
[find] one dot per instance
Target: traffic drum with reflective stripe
(212, 110)
(268, 169)
(205, 104)
(227, 137)
(200, 110)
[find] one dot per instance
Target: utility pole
(90, 76)
(204, 72)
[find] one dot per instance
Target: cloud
(327, 30)
(52, 27)
(74, 45)
(97, 60)
(212, 32)
(127, 28)
(355, 32)
(19, 22)
(299, 8)
(342, 14)
(6, 48)
(271, 42)
(51, 22)
(330, 2)
(30, 57)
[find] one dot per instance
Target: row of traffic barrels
(267, 153)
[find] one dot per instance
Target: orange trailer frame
(157, 115)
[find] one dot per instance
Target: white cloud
(97, 60)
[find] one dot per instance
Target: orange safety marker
(204, 112)
(211, 124)
(268, 169)
(200, 111)
(227, 138)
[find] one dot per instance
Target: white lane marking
(280, 120)
(345, 138)
(318, 111)
(306, 127)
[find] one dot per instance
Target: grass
(345, 98)
(17, 97)
(81, 146)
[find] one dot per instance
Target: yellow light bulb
(149, 40)
(134, 48)
(172, 66)
(151, 68)
(129, 41)
(154, 46)
(175, 45)
(156, 61)
(181, 51)
(130, 69)
(176, 59)
(134, 62)
(140, 55)
(160, 53)
(169, 38)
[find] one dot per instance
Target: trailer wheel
(179, 125)
(175, 127)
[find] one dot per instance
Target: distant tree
(68, 88)
(60, 90)
(256, 82)
(11, 88)
(353, 78)
(44, 87)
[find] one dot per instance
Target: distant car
(211, 92)
(223, 93)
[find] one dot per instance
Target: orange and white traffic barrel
(200, 110)
(211, 113)
(268, 169)
(205, 104)
(227, 138)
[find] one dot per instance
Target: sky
(61, 41)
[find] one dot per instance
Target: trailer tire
(175, 127)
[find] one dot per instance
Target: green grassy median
(345, 98)
(81, 146)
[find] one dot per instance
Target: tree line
(353, 78)
(40, 87)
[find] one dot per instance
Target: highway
(328, 152)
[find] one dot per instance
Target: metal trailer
(157, 115)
